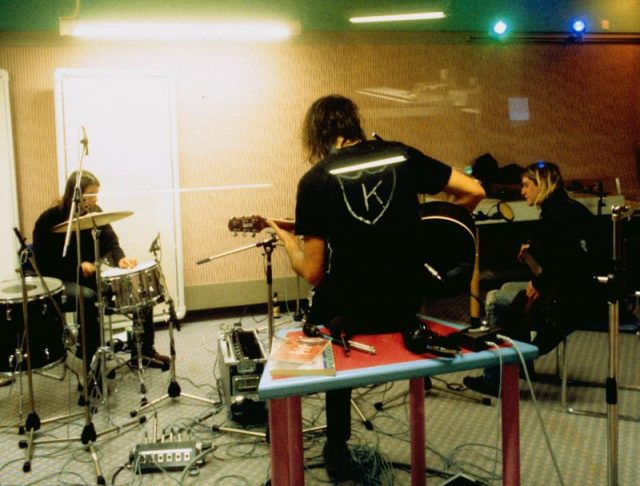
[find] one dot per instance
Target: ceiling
(623, 16)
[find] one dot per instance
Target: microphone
(338, 327)
(434, 273)
(21, 239)
(85, 141)
(155, 245)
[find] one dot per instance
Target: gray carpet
(462, 433)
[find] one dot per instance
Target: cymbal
(89, 220)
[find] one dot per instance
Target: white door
(8, 189)
(129, 118)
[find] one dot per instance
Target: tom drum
(45, 324)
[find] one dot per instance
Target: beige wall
(240, 108)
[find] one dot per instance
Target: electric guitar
(254, 224)
(544, 307)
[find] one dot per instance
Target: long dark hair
(327, 119)
(87, 179)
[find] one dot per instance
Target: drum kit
(34, 334)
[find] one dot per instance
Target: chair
(629, 325)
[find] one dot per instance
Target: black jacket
(48, 247)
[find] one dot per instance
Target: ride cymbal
(89, 220)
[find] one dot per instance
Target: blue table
(285, 414)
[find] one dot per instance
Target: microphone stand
(173, 391)
(268, 246)
(615, 287)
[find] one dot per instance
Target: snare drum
(130, 289)
(45, 323)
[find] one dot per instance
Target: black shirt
(48, 247)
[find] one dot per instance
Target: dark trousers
(338, 415)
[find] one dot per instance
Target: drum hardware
(137, 329)
(76, 222)
(173, 391)
(42, 289)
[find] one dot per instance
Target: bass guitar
(541, 311)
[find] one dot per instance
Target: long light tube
(398, 17)
(222, 30)
(369, 165)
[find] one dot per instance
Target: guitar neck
(255, 224)
(531, 262)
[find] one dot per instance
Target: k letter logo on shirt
(367, 193)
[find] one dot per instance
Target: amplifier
(241, 359)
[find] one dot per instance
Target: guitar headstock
(247, 224)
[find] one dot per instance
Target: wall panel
(240, 109)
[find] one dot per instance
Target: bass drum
(449, 248)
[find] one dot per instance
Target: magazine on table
(289, 357)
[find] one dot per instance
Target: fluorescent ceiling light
(398, 17)
(219, 30)
(369, 165)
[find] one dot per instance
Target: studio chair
(629, 326)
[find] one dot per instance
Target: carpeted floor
(462, 432)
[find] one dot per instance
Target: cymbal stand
(173, 391)
(104, 351)
(32, 422)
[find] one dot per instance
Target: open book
(322, 363)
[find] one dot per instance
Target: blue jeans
(498, 307)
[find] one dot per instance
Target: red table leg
(418, 462)
(279, 442)
(510, 426)
(296, 455)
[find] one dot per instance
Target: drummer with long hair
(48, 249)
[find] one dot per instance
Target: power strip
(462, 480)
(165, 456)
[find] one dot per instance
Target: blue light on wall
(578, 26)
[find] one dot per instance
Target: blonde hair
(546, 176)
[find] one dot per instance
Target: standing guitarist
(357, 209)
(562, 290)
